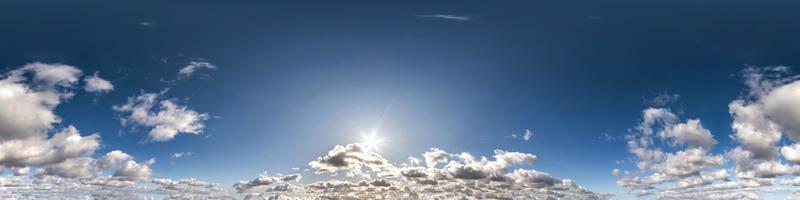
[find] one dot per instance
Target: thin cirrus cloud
(761, 163)
(193, 66)
(446, 17)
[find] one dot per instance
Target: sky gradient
(223, 91)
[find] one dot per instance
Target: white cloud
(791, 153)
(147, 24)
(113, 158)
(760, 121)
(435, 156)
(691, 133)
(446, 17)
(135, 171)
(167, 120)
(193, 66)
(462, 177)
(62, 157)
(526, 136)
(265, 180)
(96, 84)
(351, 158)
(179, 155)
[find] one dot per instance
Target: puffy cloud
(690, 133)
(462, 177)
(63, 145)
(350, 158)
(96, 84)
(113, 158)
(135, 171)
(265, 180)
(760, 120)
(193, 66)
(166, 120)
(791, 153)
(690, 162)
(435, 156)
(62, 157)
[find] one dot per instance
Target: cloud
(265, 180)
(96, 84)
(167, 120)
(463, 176)
(136, 171)
(351, 158)
(193, 66)
(113, 158)
(147, 24)
(32, 138)
(527, 135)
(446, 17)
(761, 118)
(179, 155)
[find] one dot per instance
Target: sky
(257, 99)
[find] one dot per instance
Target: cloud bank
(444, 176)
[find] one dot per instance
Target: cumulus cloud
(193, 66)
(265, 180)
(761, 119)
(33, 138)
(446, 17)
(96, 84)
(165, 118)
(463, 176)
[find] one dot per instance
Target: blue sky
(292, 80)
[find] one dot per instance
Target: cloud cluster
(444, 176)
(50, 160)
(165, 117)
(761, 119)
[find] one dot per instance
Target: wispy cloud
(446, 17)
(147, 24)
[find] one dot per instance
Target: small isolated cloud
(193, 66)
(96, 84)
(165, 117)
(446, 17)
(179, 155)
(526, 136)
(147, 24)
(664, 99)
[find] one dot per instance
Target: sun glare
(370, 141)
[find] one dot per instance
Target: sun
(370, 141)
